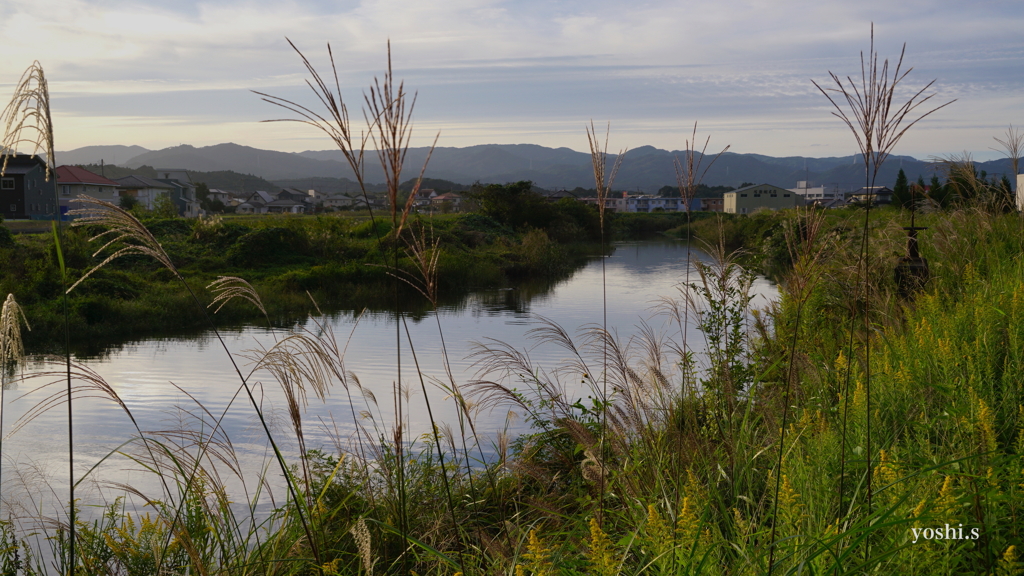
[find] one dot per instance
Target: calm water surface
(163, 381)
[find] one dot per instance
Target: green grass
(695, 449)
(334, 258)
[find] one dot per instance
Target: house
(818, 194)
(285, 205)
(73, 181)
(336, 201)
(711, 204)
(748, 199)
(236, 198)
(611, 203)
(255, 203)
(222, 196)
(646, 203)
(1020, 192)
(184, 193)
(293, 194)
(556, 195)
(423, 197)
(24, 191)
(449, 201)
(873, 194)
(144, 190)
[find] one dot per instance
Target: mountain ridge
(645, 168)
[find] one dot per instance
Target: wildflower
(538, 557)
(602, 553)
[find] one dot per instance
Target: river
(162, 382)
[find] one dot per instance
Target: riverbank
(835, 432)
(292, 261)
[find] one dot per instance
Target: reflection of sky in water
(144, 374)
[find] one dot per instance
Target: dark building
(24, 191)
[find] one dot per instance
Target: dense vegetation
(516, 235)
(334, 257)
(746, 453)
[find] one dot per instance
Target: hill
(645, 168)
(222, 179)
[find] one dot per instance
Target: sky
(159, 73)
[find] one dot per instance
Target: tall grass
(877, 120)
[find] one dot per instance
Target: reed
(878, 120)
(603, 180)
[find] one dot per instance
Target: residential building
(73, 181)
(24, 191)
(1020, 192)
(874, 194)
(255, 203)
(342, 201)
(286, 205)
(822, 195)
(424, 196)
(144, 190)
(293, 194)
(184, 193)
(223, 196)
(759, 197)
(711, 204)
(449, 201)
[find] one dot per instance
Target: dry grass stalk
(688, 172)
(603, 179)
(361, 534)
(122, 228)
(963, 180)
(336, 124)
(12, 350)
(26, 119)
(390, 130)
(225, 288)
(875, 120)
(1013, 146)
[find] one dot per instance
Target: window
(787, 196)
(65, 190)
(743, 195)
(757, 195)
(7, 184)
(14, 207)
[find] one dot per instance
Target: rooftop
(79, 175)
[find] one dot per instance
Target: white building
(818, 194)
(1020, 192)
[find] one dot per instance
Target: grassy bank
(336, 259)
(806, 438)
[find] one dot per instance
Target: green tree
(203, 196)
(938, 192)
(901, 191)
(164, 207)
(128, 202)
(514, 204)
(6, 238)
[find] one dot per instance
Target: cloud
(497, 70)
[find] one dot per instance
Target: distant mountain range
(645, 169)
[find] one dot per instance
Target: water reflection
(154, 376)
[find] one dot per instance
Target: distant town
(283, 183)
